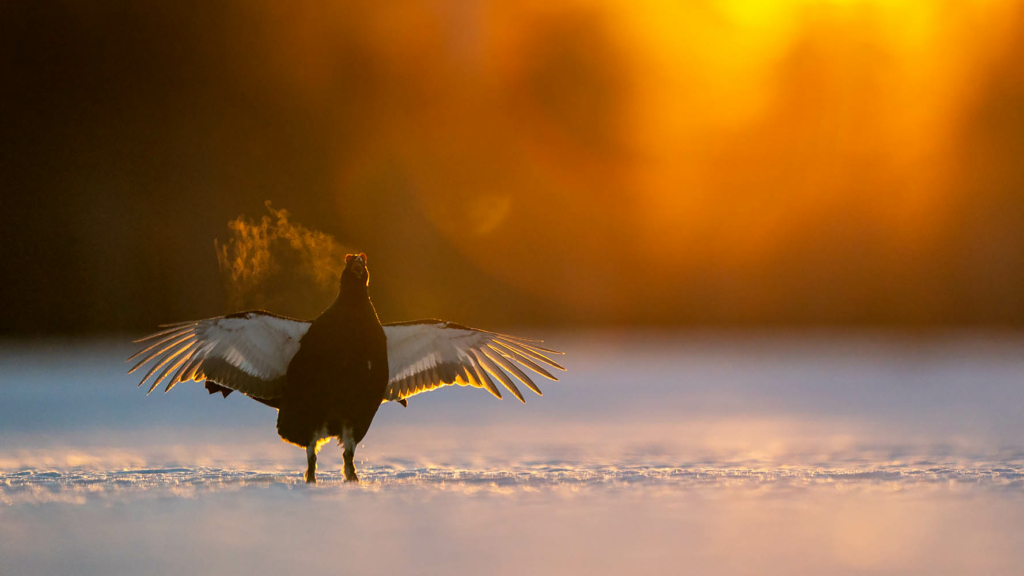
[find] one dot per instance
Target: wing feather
(248, 352)
(498, 358)
(185, 363)
(529, 343)
(177, 329)
(527, 350)
(496, 372)
(182, 356)
(175, 340)
(485, 380)
(428, 354)
(179, 324)
(175, 349)
(515, 355)
(154, 344)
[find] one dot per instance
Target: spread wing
(248, 352)
(427, 354)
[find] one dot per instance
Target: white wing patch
(235, 358)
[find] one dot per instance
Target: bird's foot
(310, 475)
(350, 474)
(349, 442)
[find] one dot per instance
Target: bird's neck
(353, 292)
(353, 300)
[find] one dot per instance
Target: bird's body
(328, 377)
(337, 378)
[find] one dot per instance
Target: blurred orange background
(560, 162)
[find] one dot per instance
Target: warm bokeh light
(828, 161)
(812, 157)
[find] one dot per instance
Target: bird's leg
(311, 463)
(349, 442)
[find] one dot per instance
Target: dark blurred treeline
(509, 164)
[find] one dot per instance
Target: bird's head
(355, 273)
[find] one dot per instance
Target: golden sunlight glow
(720, 141)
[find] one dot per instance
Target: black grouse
(328, 376)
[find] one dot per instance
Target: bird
(328, 376)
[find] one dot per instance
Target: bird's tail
(297, 425)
